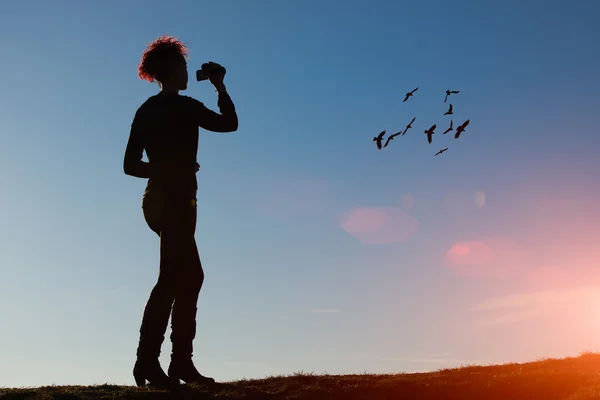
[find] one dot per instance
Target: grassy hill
(573, 378)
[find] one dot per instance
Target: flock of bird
(429, 132)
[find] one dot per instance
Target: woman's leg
(183, 319)
(158, 307)
(164, 222)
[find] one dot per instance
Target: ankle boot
(184, 369)
(149, 369)
(147, 366)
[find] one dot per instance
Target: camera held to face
(207, 69)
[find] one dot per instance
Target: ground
(574, 378)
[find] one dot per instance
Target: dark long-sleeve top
(166, 126)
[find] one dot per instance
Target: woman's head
(164, 61)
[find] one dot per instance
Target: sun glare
(460, 249)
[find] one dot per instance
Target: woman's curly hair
(157, 56)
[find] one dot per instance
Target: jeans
(173, 219)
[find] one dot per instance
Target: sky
(321, 253)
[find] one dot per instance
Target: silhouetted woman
(166, 126)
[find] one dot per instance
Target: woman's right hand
(215, 72)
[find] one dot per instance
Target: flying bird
(409, 126)
(378, 139)
(409, 94)
(391, 138)
(430, 133)
(461, 128)
(449, 92)
(441, 151)
(449, 129)
(449, 112)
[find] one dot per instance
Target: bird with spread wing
(391, 137)
(429, 132)
(449, 129)
(409, 94)
(409, 126)
(461, 128)
(378, 139)
(449, 92)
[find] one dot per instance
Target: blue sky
(321, 253)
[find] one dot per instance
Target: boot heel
(149, 373)
(139, 380)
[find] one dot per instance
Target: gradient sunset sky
(321, 253)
